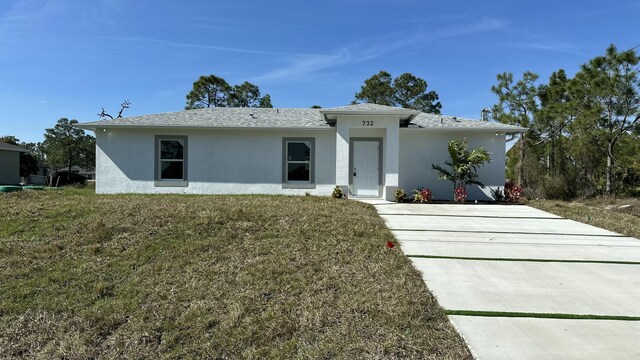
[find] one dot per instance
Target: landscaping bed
(155, 276)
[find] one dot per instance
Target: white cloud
(547, 45)
(195, 46)
(372, 48)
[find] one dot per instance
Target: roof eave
(94, 127)
(460, 129)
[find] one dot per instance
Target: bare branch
(125, 105)
(104, 115)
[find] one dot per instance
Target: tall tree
(554, 116)
(208, 91)
(411, 93)
(377, 89)
(517, 104)
(265, 101)
(66, 146)
(213, 91)
(247, 95)
(607, 92)
(407, 91)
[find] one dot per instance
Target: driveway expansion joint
(477, 216)
(506, 232)
(512, 314)
(524, 259)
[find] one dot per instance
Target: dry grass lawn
(619, 215)
(132, 276)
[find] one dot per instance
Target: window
(171, 159)
(298, 161)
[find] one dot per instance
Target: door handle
(354, 171)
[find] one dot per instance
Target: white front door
(366, 168)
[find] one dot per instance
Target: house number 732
(367, 123)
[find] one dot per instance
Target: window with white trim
(171, 155)
(298, 161)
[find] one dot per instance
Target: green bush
(337, 192)
(557, 188)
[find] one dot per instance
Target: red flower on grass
(390, 245)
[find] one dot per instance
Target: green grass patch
(525, 259)
(619, 215)
(540, 315)
(177, 276)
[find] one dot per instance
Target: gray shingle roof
(10, 147)
(223, 117)
(289, 118)
(445, 122)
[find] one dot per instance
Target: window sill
(169, 183)
(298, 186)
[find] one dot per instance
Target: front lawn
(133, 276)
(619, 215)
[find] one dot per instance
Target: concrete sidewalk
(517, 259)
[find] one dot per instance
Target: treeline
(583, 131)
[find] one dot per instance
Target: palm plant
(464, 164)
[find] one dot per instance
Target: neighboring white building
(369, 150)
(10, 163)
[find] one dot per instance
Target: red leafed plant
(513, 192)
(422, 195)
(460, 194)
(390, 245)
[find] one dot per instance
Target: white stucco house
(369, 150)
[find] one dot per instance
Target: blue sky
(69, 58)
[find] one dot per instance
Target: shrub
(497, 194)
(513, 192)
(337, 192)
(460, 194)
(62, 178)
(558, 187)
(400, 195)
(422, 195)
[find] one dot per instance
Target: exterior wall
(250, 161)
(9, 167)
(219, 161)
(419, 149)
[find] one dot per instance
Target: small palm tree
(464, 164)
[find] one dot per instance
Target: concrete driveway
(520, 283)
